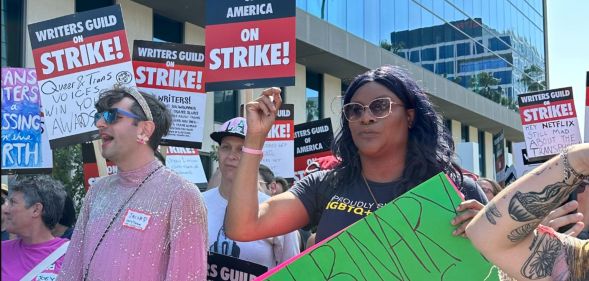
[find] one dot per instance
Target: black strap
(113, 220)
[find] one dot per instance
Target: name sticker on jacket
(136, 220)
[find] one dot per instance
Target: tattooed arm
(507, 231)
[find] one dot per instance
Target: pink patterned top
(160, 234)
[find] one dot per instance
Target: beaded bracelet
(568, 170)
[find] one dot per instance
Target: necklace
(113, 220)
(370, 191)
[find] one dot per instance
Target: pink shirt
(19, 258)
(161, 234)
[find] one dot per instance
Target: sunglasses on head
(110, 115)
(379, 108)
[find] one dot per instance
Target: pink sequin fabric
(171, 245)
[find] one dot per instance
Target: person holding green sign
(391, 141)
(508, 232)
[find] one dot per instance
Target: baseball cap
(235, 127)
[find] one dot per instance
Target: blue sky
(568, 48)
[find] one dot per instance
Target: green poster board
(408, 239)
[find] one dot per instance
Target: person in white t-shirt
(268, 252)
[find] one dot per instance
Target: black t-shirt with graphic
(333, 209)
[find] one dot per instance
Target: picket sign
(100, 161)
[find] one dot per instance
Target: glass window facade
(314, 96)
(225, 105)
(464, 134)
(167, 30)
(482, 155)
(12, 33)
(477, 36)
(83, 5)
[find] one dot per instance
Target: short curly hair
(162, 117)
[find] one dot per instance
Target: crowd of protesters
(146, 221)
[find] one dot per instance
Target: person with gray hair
(35, 205)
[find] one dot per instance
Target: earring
(142, 139)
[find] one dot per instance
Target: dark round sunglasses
(111, 115)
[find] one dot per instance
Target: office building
(472, 57)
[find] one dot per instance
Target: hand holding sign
(261, 113)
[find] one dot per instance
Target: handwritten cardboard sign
(521, 161)
(250, 44)
(186, 163)
(407, 239)
(312, 140)
(279, 146)
(25, 148)
(549, 121)
(77, 57)
(174, 74)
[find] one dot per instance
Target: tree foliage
(68, 168)
(486, 85)
(533, 78)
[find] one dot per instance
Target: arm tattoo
(521, 232)
(545, 249)
(491, 212)
(577, 259)
(531, 205)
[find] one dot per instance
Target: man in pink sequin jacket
(146, 222)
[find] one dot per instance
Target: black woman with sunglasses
(391, 141)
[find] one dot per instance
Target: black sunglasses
(110, 115)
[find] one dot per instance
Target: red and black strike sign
(547, 105)
(174, 73)
(549, 121)
(79, 42)
(283, 128)
(312, 140)
(90, 168)
(169, 66)
(77, 57)
(250, 44)
(222, 267)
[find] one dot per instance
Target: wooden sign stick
(100, 161)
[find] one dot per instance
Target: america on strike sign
(250, 44)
